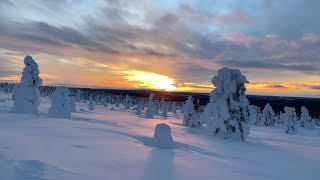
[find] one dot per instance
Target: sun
(150, 80)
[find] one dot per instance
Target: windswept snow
(117, 144)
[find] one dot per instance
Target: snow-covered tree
(164, 109)
(227, 113)
(290, 119)
(174, 108)
(91, 105)
(188, 111)
(78, 95)
(254, 112)
(105, 101)
(305, 120)
(138, 112)
(72, 104)
(195, 120)
(98, 100)
(268, 116)
(60, 104)
(149, 112)
(26, 93)
(127, 102)
(162, 137)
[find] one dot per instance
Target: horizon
(174, 46)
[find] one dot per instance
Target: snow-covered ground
(116, 144)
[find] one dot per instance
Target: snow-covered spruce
(78, 96)
(164, 109)
(188, 111)
(60, 104)
(290, 120)
(174, 108)
(139, 107)
(162, 137)
(149, 112)
(72, 104)
(126, 102)
(91, 105)
(305, 119)
(268, 117)
(195, 120)
(254, 114)
(26, 93)
(227, 113)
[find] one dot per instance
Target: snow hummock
(162, 136)
(60, 104)
(227, 114)
(26, 93)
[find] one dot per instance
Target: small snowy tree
(268, 116)
(72, 104)
(305, 120)
(60, 104)
(290, 120)
(164, 109)
(188, 111)
(195, 120)
(78, 95)
(91, 105)
(254, 114)
(228, 111)
(26, 93)
(139, 107)
(127, 102)
(174, 108)
(149, 112)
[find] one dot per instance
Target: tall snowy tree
(305, 120)
(26, 93)
(150, 106)
(228, 111)
(254, 114)
(290, 120)
(268, 116)
(60, 104)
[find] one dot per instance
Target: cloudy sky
(168, 44)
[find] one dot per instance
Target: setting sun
(150, 80)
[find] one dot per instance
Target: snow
(116, 144)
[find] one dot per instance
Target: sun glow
(150, 80)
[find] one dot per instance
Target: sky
(171, 45)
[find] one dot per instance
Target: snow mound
(162, 137)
